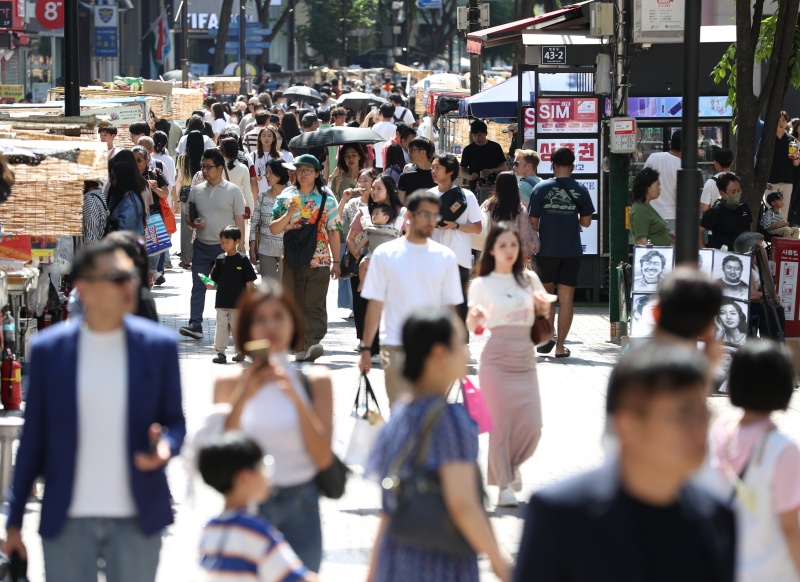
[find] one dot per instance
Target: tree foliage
(323, 34)
(775, 41)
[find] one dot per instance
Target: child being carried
(376, 232)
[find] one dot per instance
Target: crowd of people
(421, 263)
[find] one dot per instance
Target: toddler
(772, 221)
(375, 234)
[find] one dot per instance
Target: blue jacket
(129, 213)
(49, 441)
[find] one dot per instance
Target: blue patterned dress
(455, 438)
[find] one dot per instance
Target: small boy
(772, 220)
(232, 274)
(374, 235)
(237, 544)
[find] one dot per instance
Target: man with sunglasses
(103, 417)
(213, 205)
(405, 273)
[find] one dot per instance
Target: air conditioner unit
(601, 20)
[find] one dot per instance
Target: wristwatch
(363, 348)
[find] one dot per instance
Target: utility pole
(185, 43)
(618, 177)
(344, 33)
(72, 88)
(687, 214)
(473, 25)
(292, 41)
(242, 49)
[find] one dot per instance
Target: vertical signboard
(106, 33)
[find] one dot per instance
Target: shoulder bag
(299, 244)
(349, 265)
(453, 204)
(331, 482)
(420, 518)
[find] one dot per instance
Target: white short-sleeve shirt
(458, 240)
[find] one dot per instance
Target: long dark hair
(195, 145)
(277, 168)
(487, 264)
(229, 149)
(284, 143)
(127, 157)
(505, 202)
(289, 127)
(160, 142)
(394, 157)
(273, 148)
(422, 331)
(362, 157)
(394, 197)
(219, 111)
(125, 181)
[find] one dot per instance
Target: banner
(567, 115)
(586, 151)
(158, 45)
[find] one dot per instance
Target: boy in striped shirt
(237, 545)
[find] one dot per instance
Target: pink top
(734, 446)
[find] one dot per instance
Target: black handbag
(299, 244)
(349, 265)
(184, 195)
(419, 517)
(331, 481)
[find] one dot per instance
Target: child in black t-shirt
(232, 274)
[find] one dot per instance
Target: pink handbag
(476, 406)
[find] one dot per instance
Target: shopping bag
(168, 216)
(476, 406)
(354, 436)
(156, 235)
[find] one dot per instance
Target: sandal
(547, 348)
(566, 354)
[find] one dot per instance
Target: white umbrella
(449, 80)
(359, 100)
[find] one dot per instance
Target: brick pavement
(573, 392)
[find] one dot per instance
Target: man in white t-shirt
(385, 128)
(405, 274)
(456, 234)
(723, 160)
(402, 115)
(667, 164)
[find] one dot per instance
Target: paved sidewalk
(572, 389)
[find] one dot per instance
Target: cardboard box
(157, 87)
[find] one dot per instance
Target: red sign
(567, 115)
(586, 154)
(786, 256)
(50, 13)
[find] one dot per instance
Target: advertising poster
(592, 187)
(587, 154)
(12, 93)
(567, 115)
(663, 15)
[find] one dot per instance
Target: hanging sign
(567, 115)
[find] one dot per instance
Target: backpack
(531, 181)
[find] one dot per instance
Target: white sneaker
(376, 359)
(516, 484)
(300, 357)
(507, 498)
(314, 352)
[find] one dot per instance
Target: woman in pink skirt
(503, 299)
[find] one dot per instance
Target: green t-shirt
(646, 223)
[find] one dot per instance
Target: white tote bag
(354, 436)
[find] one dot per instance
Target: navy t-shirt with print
(558, 204)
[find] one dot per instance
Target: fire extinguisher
(10, 383)
(48, 318)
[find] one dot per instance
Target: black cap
(724, 157)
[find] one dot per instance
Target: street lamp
(242, 54)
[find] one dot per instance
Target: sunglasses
(515, 164)
(116, 277)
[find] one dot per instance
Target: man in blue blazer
(103, 417)
(638, 518)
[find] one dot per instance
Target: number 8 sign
(50, 13)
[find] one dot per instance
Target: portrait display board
(732, 271)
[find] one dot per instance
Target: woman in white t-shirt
(288, 412)
(505, 298)
(219, 122)
(758, 466)
(236, 172)
(266, 151)
(283, 146)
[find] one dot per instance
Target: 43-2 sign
(554, 55)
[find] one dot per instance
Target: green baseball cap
(308, 160)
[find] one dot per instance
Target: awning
(574, 16)
(502, 99)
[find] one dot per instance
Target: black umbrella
(177, 75)
(332, 136)
(303, 93)
(359, 100)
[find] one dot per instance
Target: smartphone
(258, 350)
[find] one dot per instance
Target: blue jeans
(129, 555)
(295, 512)
(345, 297)
(156, 262)
(203, 258)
